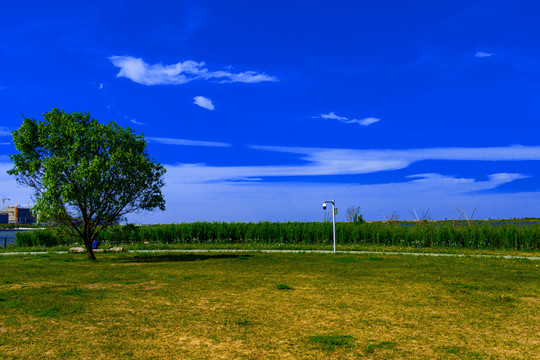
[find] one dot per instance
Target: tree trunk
(89, 250)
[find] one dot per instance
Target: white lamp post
(334, 212)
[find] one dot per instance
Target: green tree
(86, 175)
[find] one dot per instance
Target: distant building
(4, 218)
(17, 215)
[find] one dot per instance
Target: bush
(46, 237)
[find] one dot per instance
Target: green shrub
(45, 237)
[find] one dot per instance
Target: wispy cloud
(184, 142)
(4, 131)
(481, 54)
(256, 201)
(203, 102)
(349, 162)
(133, 121)
(493, 181)
(364, 122)
(333, 116)
(137, 70)
(211, 190)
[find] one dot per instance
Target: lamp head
(324, 206)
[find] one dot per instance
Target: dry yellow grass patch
(222, 306)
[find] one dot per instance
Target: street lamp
(334, 212)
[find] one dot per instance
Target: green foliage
(451, 349)
(283, 287)
(85, 175)
(444, 235)
(468, 287)
(240, 322)
(126, 234)
(370, 349)
(46, 237)
(505, 298)
(13, 226)
(72, 292)
(329, 342)
(49, 312)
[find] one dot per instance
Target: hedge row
(505, 236)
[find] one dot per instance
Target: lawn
(260, 306)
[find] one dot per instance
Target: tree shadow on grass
(156, 258)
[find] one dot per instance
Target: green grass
(283, 287)
(329, 342)
(73, 292)
(219, 305)
(371, 348)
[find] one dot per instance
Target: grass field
(259, 306)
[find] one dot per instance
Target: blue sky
(263, 110)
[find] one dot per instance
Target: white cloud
(332, 115)
(203, 102)
(481, 54)
(436, 181)
(133, 121)
(244, 77)
(182, 72)
(349, 162)
(343, 119)
(254, 201)
(506, 177)
(364, 122)
(100, 86)
(183, 142)
(4, 131)
(198, 192)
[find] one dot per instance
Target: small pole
(5, 242)
(334, 211)
(334, 222)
